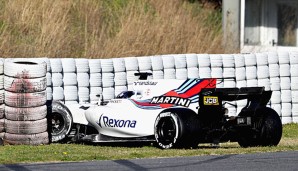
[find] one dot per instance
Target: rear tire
(61, 122)
(177, 129)
(269, 130)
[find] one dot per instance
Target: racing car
(171, 114)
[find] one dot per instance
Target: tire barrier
(180, 61)
(2, 106)
(168, 61)
(94, 65)
(94, 91)
(68, 65)
(216, 61)
(159, 74)
(56, 65)
(71, 93)
(17, 68)
(58, 93)
(57, 79)
(70, 79)
(217, 72)
(144, 63)
(25, 85)
(81, 80)
(131, 64)
(228, 61)
(27, 139)
(181, 74)
(191, 61)
(107, 65)
(120, 79)
(26, 127)
(169, 73)
(157, 63)
(203, 60)
(83, 94)
(275, 71)
(239, 60)
(25, 114)
(130, 75)
(192, 73)
(82, 65)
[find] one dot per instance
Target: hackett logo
(171, 100)
(116, 123)
(145, 83)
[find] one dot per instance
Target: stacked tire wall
(2, 126)
(79, 80)
(25, 86)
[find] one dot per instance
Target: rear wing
(256, 96)
(233, 94)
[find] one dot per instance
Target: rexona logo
(171, 100)
(145, 83)
(116, 123)
(211, 100)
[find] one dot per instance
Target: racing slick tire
(61, 122)
(177, 129)
(270, 130)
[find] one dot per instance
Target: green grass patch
(79, 152)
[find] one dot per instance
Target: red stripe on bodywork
(209, 83)
(205, 83)
(144, 103)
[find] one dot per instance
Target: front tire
(61, 122)
(177, 129)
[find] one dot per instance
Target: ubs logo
(211, 100)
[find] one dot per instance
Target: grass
(80, 152)
(107, 28)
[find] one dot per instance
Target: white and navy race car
(171, 113)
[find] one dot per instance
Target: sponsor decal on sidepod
(171, 100)
(116, 123)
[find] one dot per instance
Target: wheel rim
(57, 123)
(166, 130)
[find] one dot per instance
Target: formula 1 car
(171, 113)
